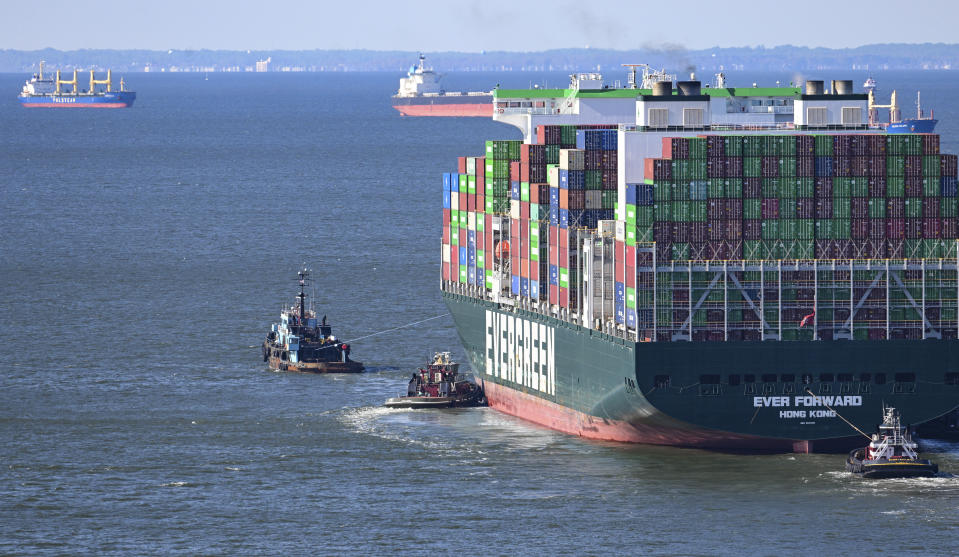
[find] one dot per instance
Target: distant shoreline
(877, 57)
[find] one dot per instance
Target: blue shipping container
(554, 275)
(524, 287)
(610, 139)
(563, 218)
(620, 311)
(464, 255)
(554, 197)
(620, 290)
(454, 182)
(471, 275)
(515, 285)
(448, 181)
(577, 179)
(580, 139)
(534, 289)
(446, 199)
(947, 186)
(644, 195)
(563, 179)
(631, 193)
(823, 166)
(630, 317)
(515, 192)
(554, 215)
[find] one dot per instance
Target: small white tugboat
(891, 453)
(439, 385)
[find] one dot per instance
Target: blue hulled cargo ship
(40, 92)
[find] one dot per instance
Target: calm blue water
(145, 253)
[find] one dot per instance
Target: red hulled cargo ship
(420, 94)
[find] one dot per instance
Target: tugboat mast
(304, 275)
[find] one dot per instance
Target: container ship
(41, 92)
(705, 266)
(420, 94)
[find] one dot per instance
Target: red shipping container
(620, 260)
(913, 228)
(716, 209)
(446, 271)
(534, 271)
(877, 166)
(564, 199)
(680, 231)
(471, 203)
(805, 146)
(860, 207)
(610, 160)
(877, 186)
(913, 165)
(480, 169)
(594, 160)
(824, 207)
(913, 186)
(752, 229)
(553, 294)
(524, 268)
(734, 209)
(480, 241)
(715, 145)
(577, 199)
(524, 211)
(734, 167)
(455, 261)
(563, 259)
(895, 208)
(877, 229)
(541, 135)
(931, 228)
(770, 208)
(523, 171)
(563, 234)
(480, 184)
(563, 297)
(715, 167)
(752, 188)
(948, 165)
(841, 145)
(930, 208)
(823, 187)
(662, 232)
(716, 230)
(950, 228)
(514, 171)
(630, 276)
(734, 230)
(842, 166)
(675, 148)
(859, 166)
(770, 167)
(930, 144)
(805, 166)
(461, 165)
(697, 232)
(860, 229)
(895, 228)
(894, 249)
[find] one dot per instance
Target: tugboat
(299, 343)
(439, 385)
(890, 454)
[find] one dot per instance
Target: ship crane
(64, 82)
(894, 114)
(108, 81)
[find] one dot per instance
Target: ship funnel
(842, 87)
(688, 88)
(663, 88)
(814, 87)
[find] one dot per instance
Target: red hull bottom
(567, 420)
(75, 105)
(484, 110)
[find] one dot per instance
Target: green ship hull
(798, 396)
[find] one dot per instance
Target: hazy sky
(439, 25)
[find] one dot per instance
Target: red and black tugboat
(439, 385)
(890, 454)
(299, 342)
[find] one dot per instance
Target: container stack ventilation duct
(814, 87)
(662, 88)
(689, 88)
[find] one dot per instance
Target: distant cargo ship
(919, 124)
(420, 94)
(40, 92)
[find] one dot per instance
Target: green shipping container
(841, 208)
(824, 229)
(752, 167)
(594, 179)
(645, 216)
(913, 208)
(662, 190)
(877, 208)
(805, 188)
(842, 229)
(698, 211)
(841, 188)
(895, 165)
(787, 165)
(771, 187)
(663, 211)
(752, 209)
(948, 206)
(930, 165)
(895, 186)
(680, 211)
(716, 187)
(859, 187)
(805, 229)
(733, 145)
(680, 251)
(771, 229)
(824, 145)
(787, 208)
(788, 188)
(931, 186)
(734, 188)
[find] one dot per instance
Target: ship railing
(756, 127)
(528, 110)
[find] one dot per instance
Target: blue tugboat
(40, 92)
(890, 454)
(300, 342)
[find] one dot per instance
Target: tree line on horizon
(675, 59)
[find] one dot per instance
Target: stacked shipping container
(743, 202)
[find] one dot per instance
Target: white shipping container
(572, 159)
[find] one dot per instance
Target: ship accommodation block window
(880, 379)
(952, 379)
(734, 380)
(658, 118)
(851, 116)
(817, 116)
(661, 381)
(769, 378)
(693, 117)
